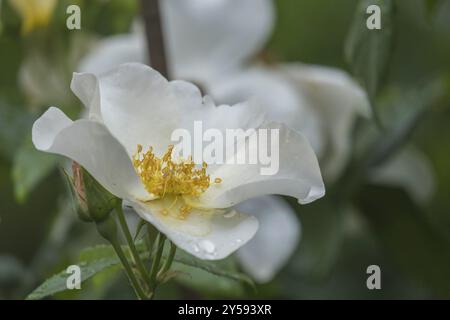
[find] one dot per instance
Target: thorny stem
(154, 34)
(137, 259)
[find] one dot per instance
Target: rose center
(165, 176)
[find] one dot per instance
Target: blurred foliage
(415, 266)
(30, 167)
(374, 225)
(369, 52)
(408, 239)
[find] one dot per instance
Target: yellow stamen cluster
(162, 176)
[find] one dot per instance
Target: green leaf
(215, 268)
(57, 283)
(411, 242)
(368, 52)
(29, 168)
(97, 252)
(211, 279)
(98, 263)
(107, 251)
(206, 284)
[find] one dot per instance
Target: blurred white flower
(133, 107)
(276, 239)
(410, 169)
(320, 102)
(204, 39)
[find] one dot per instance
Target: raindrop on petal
(230, 214)
(207, 246)
(196, 248)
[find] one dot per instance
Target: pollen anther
(163, 176)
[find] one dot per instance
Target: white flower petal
(280, 99)
(207, 38)
(411, 170)
(139, 106)
(131, 217)
(85, 86)
(339, 100)
(325, 84)
(275, 241)
(298, 175)
(206, 234)
(91, 145)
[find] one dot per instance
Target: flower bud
(107, 228)
(78, 194)
(92, 201)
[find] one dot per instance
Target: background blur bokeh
(382, 225)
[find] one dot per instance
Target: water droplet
(230, 214)
(238, 240)
(207, 246)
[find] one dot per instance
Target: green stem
(137, 288)
(107, 228)
(152, 233)
(169, 260)
(156, 259)
(129, 238)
